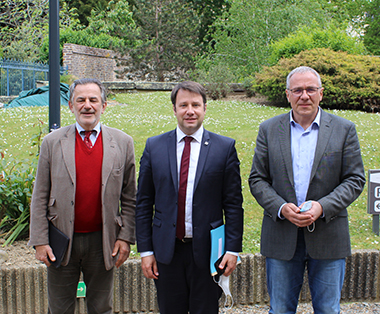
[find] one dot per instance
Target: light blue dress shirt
(303, 145)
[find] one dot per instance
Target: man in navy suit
(181, 266)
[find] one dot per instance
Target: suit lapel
(205, 148)
(285, 145)
(324, 135)
(171, 143)
(109, 152)
(68, 151)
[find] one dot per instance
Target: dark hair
(191, 87)
(85, 81)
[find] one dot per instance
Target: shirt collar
(197, 135)
(80, 129)
(316, 121)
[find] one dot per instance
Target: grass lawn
(146, 114)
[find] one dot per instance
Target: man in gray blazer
(85, 186)
(307, 169)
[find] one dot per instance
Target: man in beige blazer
(85, 186)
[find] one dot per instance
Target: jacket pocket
(157, 222)
(216, 224)
(118, 221)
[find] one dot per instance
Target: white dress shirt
(93, 136)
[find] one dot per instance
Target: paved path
(306, 308)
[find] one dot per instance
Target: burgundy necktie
(182, 188)
(87, 140)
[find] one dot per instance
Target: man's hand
(230, 260)
(301, 219)
(42, 253)
(149, 267)
(122, 248)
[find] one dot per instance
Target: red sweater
(88, 201)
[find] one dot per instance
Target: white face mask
(224, 283)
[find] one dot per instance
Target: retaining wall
(24, 290)
(83, 61)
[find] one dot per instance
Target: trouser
(285, 278)
(86, 257)
(183, 287)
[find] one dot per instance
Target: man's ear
(104, 106)
(287, 95)
(71, 106)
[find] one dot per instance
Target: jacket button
(72, 203)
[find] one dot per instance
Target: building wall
(83, 61)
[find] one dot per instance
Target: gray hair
(302, 69)
(85, 81)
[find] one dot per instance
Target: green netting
(39, 97)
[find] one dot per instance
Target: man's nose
(304, 94)
(190, 110)
(87, 103)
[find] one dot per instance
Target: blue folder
(217, 247)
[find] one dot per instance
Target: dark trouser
(86, 256)
(183, 287)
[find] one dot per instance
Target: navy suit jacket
(217, 197)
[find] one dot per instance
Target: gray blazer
(55, 185)
(337, 179)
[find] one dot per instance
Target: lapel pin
(206, 143)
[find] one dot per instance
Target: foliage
(167, 36)
(349, 81)
(68, 79)
(348, 13)
(209, 11)
(84, 8)
(371, 36)
(216, 80)
(79, 37)
(116, 20)
(242, 36)
(313, 36)
(108, 29)
(16, 183)
(24, 24)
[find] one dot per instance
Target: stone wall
(83, 61)
(23, 290)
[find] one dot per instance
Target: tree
(24, 24)
(167, 36)
(84, 8)
(115, 20)
(243, 35)
(111, 28)
(372, 31)
(314, 36)
(209, 11)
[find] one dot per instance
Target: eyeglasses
(311, 91)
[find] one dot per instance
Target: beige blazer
(54, 189)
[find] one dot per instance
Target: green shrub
(16, 184)
(216, 80)
(309, 37)
(349, 81)
(80, 37)
(68, 79)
